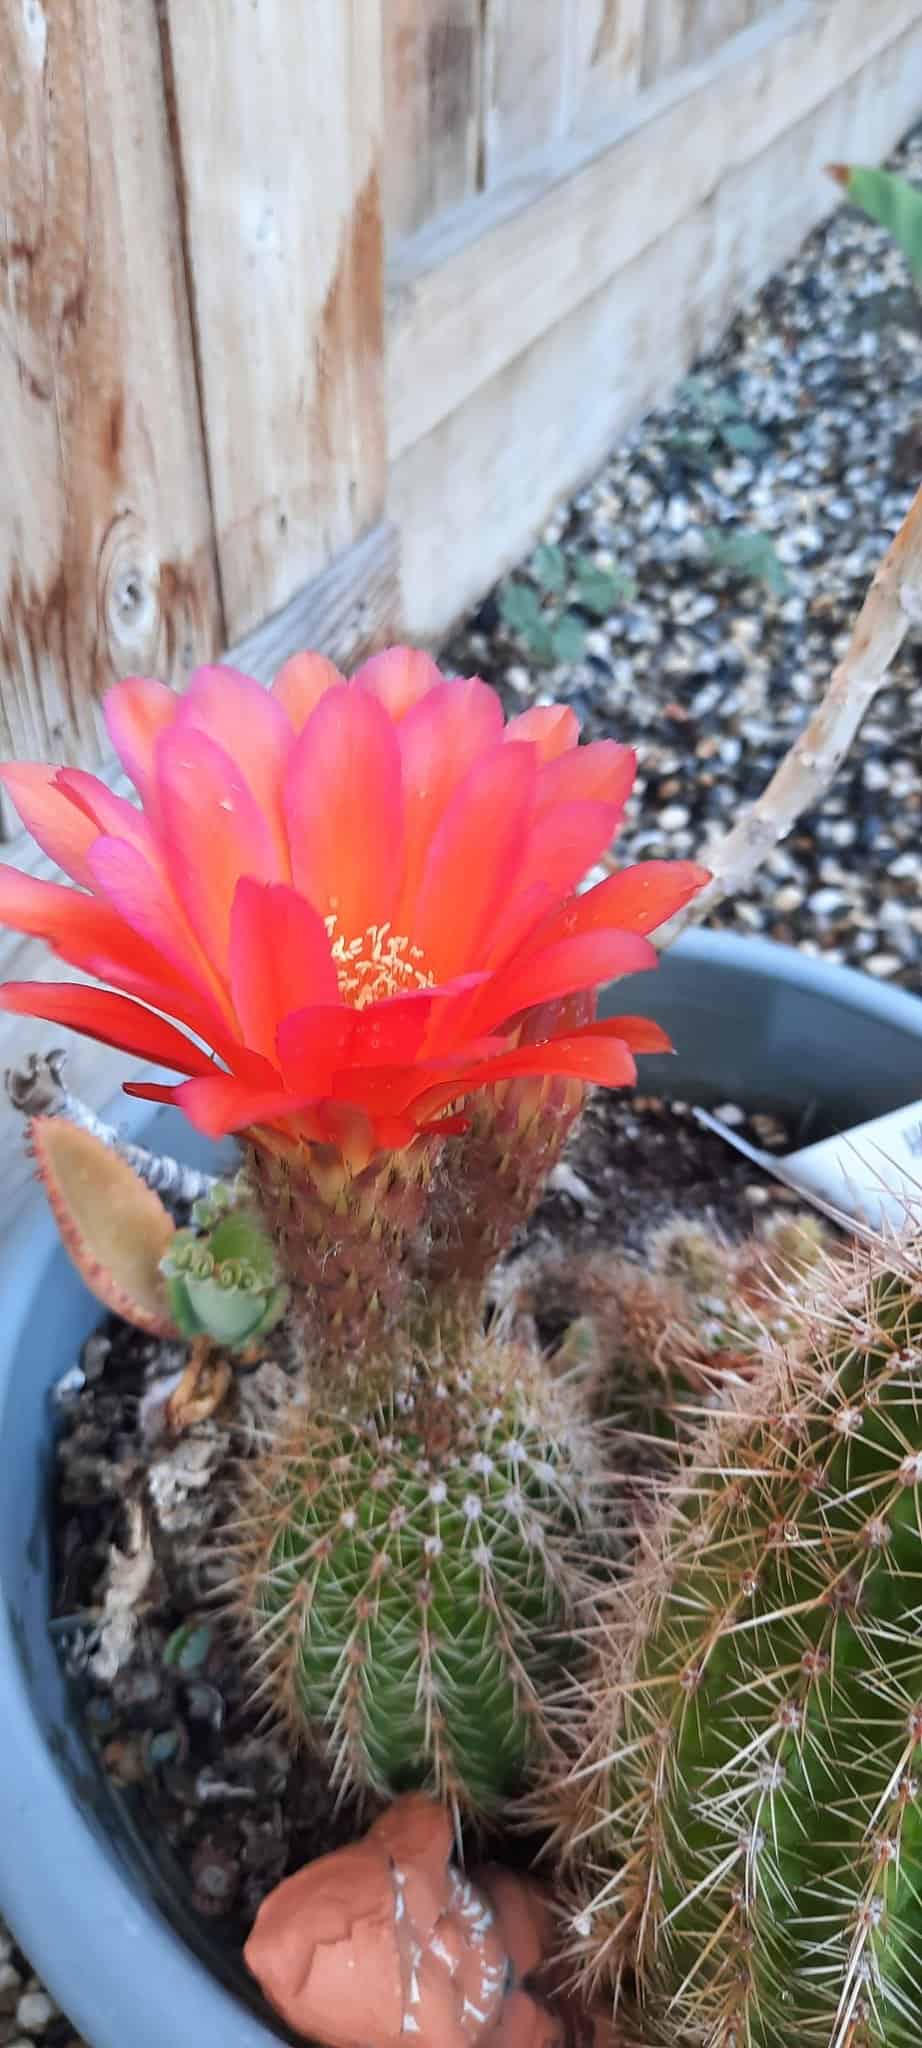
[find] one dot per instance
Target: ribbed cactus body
(410, 1579)
(757, 1811)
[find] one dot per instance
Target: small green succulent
(221, 1274)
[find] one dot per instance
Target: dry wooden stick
(37, 1089)
(892, 605)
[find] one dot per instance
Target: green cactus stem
(753, 1815)
(409, 1576)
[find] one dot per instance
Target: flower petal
(112, 1019)
(301, 683)
(603, 772)
(221, 1104)
(136, 712)
(637, 899)
(513, 924)
(584, 961)
(398, 677)
(553, 729)
(280, 959)
(213, 832)
(78, 928)
(440, 739)
(111, 814)
(147, 906)
(254, 731)
(593, 1059)
(396, 1029)
(347, 1126)
(472, 853)
(640, 1033)
(565, 840)
(312, 1042)
(343, 809)
(59, 826)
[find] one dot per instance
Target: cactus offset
(754, 1819)
(222, 1276)
(409, 1573)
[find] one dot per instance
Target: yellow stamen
(380, 963)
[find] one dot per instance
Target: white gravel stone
(34, 2011)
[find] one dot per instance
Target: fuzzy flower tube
(347, 914)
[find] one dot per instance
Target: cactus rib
(757, 1808)
(410, 1576)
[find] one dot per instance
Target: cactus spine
(410, 1572)
(755, 1817)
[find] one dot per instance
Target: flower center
(379, 964)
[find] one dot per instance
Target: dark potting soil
(223, 1806)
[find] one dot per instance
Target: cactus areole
(758, 1808)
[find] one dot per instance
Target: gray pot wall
(753, 1022)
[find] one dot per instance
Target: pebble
(706, 670)
(34, 2011)
(10, 1988)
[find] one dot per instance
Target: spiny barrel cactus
(755, 1815)
(410, 1576)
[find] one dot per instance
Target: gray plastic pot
(86, 1897)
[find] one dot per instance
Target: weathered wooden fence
(292, 288)
(311, 308)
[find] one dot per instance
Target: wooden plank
(542, 425)
(347, 612)
(605, 46)
(279, 129)
(432, 81)
(524, 60)
(468, 301)
(682, 32)
(106, 559)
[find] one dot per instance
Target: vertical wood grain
(279, 117)
(681, 32)
(524, 59)
(605, 46)
(106, 560)
(432, 78)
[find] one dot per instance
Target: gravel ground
(804, 427)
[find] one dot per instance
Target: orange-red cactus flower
(349, 893)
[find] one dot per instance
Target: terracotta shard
(387, 1944)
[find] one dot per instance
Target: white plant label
(871, 1173)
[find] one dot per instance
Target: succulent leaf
(114, 1227)
(222, 1281)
